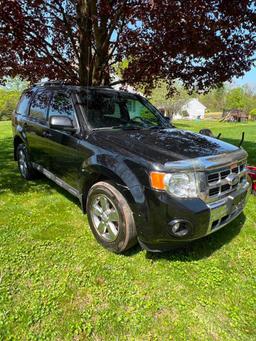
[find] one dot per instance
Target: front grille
(219, 185)
(213, 191)
(224, 174)
(225, 188)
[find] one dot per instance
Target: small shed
(235, 115)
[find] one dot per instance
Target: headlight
(182, 185)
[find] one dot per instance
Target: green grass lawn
(57, 283)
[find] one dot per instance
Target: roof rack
(59, 82)
(101, 86)
(50, 83)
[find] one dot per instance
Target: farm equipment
(251, 170)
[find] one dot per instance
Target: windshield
(115, 110)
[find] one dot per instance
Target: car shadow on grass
(11, 180)
(204, 247)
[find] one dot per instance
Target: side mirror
(61, 123)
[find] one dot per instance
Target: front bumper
(153, 224)
(224, 211)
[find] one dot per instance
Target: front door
(64, 148)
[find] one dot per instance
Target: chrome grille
(220, 185)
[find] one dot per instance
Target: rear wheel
(110, 218)
(24, 164)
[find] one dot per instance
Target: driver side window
(61, 104)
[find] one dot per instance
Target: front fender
(127, 180)
(114, 167)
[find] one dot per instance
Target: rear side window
(39, 106)
(23, 105)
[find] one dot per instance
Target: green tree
(250, 98)
(218, 99)
(215, 100)
(8, 102)
(236, 99)
(253, 112)
(159, 97)
(9, 95)
(15, 84)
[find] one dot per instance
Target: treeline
(217, 100)
(226, 98)
(10, 95)
(8, 102)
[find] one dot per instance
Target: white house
(191, 109)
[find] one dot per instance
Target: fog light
(180, 228)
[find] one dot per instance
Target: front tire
(24, 164)
(110, 218)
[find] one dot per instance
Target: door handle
(46, 134)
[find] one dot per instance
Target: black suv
(137, 177)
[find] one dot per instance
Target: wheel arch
(119, 174)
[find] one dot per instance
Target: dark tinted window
(61, 104)
(39, 106)
(23, 105)
(113, 110)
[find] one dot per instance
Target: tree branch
(60, 61)
(69, 31)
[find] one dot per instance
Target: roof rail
(106, 86)
(101, 86)
(56, 82)
(59, 82)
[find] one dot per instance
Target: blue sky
(249, 78)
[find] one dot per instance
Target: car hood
(163, 145)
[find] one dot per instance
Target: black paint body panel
(125, 157)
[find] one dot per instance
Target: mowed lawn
(57, 283)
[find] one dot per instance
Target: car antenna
(242, 140)
(218, 137)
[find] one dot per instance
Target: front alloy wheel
(105, 217)
(110, 217)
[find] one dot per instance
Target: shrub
(253, 112)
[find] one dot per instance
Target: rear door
(64, 148)
(36, 127)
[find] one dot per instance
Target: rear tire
(110, 218)
(24, 164)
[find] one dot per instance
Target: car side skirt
(57, 180)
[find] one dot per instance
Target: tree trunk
(93, 58)
(85, 38)
(100, 71)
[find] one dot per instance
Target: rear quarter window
(39, 106)
(23, 105)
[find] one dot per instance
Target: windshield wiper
(123, 127)
(127, 127)
(157, 127)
